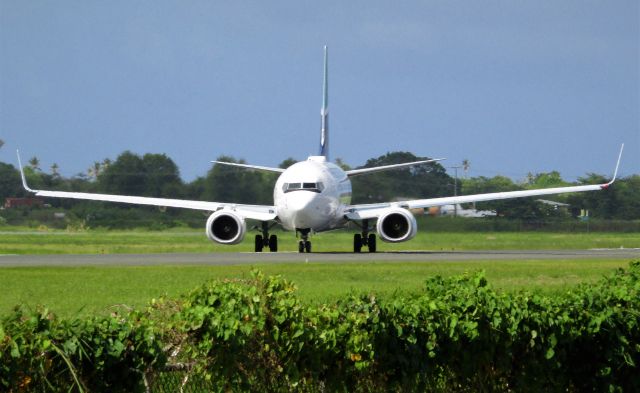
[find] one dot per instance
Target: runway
(294, 257)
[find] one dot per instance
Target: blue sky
(514, 87)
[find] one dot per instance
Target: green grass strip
(29, 241)
(71, 291)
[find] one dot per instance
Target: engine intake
(226, 227)
(397, 225)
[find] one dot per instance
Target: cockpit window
(314, 187)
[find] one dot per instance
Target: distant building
(17, 202)
(554, 204)
(451, 210)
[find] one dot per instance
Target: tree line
(157, 175)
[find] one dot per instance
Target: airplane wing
(369, 211)
(254, 212)
(355, 172)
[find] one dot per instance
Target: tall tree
(94, 170)
(10, 184)
(1, 143)
(547, 179)
(287, 163)
(55, 170)
(228, 184)
(420, 181)
(465, 167)
(162, 176)
(34, 162)
(125, 176)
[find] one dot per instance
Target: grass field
(71, 291)
(28, 241)
(94, 290)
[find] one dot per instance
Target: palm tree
(530, 178)
(465, 167)
(35, 163)
(95, 170)
(54, 169)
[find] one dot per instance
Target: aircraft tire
(301, 246)
(259, 243)
(307, 246)
(273, 243)
(357, 242)
(372, 243)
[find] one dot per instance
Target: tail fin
(324, 112)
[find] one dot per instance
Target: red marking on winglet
(605, 186)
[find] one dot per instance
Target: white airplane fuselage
(311, 195)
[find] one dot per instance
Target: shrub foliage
(457, 334)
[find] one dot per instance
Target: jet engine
(397, 225)
(226, 227)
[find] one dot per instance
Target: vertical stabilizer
(324, 112)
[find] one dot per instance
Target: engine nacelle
(226, 227)
(397, 225)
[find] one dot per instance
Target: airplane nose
(300, 201)
(302, 208)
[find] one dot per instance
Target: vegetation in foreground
(454, 334)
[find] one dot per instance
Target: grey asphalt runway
(294, 257)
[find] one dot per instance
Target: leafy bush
(254, 335)
(39, 352)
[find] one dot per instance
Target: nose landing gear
(304, 245)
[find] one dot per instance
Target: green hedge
(457, 334)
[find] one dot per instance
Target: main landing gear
(304, 245)
(265, 240)
(365, 239)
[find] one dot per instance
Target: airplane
(314, 196)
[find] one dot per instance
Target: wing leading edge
(254, 212)
(369, 211)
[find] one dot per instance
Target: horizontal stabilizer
(355, 172)
(247, 166)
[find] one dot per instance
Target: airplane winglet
(24, 179)
(615, 173)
